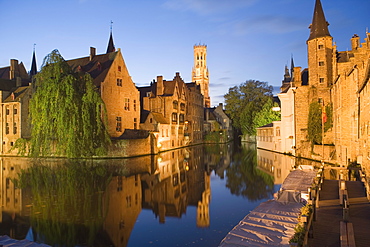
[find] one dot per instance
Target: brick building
(339, 79)
(171, 110)
(14, 97)
(118, 91)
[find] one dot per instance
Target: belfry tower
(200, 72)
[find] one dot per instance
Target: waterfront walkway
(326, 228)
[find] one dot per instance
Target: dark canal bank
(185, 197)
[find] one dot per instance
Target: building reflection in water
(114, 192)
(275, 164)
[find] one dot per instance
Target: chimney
(355, 41)
(160, 87)
(92, 52)
(221, 106)
(13, 73)
(297, 79)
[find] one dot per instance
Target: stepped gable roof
(319, 26)
(97, 67)
(17, 94)
(169, 86)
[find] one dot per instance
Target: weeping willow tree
(66, 112)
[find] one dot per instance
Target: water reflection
(98, 203)
(243, 177)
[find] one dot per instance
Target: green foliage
(66, 112)
(67, 206)
(298, 236)
(21, 146)
(245, 179)
(266, 115)
(329, 115)
(244, 102)
(306, 210)
(315, 121)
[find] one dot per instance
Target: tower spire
(291, 66)
(319, 26)
(111, 47)
(33, 70)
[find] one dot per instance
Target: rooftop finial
(34, 47)
(111, 25)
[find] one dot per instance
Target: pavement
(326, 227)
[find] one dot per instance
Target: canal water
(186, 197)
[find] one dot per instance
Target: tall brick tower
(200, 73)
(320, 52)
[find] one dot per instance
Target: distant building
(14, 96)
(171, 108)
(216, 122)
(200, 74)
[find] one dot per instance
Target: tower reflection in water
(98, 203)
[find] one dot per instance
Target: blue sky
(246, 39)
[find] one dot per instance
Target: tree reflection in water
(67, 202)
(243, 177)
